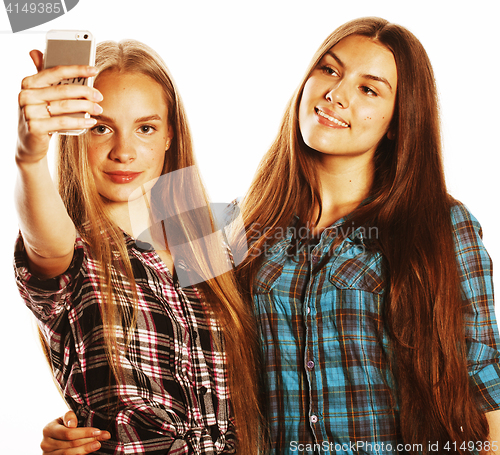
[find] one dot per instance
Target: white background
(236, 64)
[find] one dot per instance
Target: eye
(100, 130)
(328, 70)
(147, 129)
(368, 91)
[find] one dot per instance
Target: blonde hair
(221, 295)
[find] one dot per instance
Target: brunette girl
(157, 364)
(375, 306)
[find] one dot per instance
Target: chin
(117, 198)
(320, 147)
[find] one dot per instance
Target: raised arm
(48, 231)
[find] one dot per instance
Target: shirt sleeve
(46, 298)
(481, 331)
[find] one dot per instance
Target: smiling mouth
(122, 173)
(122, 176)
(331, 119)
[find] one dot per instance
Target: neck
(119, 214)
(344, 183)
(134, 218)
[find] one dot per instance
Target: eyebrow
(365, 76)
(147, 118)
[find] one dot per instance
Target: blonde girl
(163, 367)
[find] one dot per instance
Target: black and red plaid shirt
(175, 396)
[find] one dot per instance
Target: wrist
(29, 160)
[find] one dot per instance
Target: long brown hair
(410, 206)
(86, 208)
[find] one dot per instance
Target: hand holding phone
(48, 103)
(70, 47)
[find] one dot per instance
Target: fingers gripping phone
(70, 47)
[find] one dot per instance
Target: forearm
(48, 231)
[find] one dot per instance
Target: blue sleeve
(475, 272)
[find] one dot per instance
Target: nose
(339, 95)
(123, 150)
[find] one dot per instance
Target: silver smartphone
(70, 47)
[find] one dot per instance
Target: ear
(170, 135)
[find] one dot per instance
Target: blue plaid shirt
(326, 347)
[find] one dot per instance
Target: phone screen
(67, 52)
(70, 52)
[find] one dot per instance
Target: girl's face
(128, 143)
(348, 100)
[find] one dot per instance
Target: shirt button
(310, 364)
(315, 259)
(314, 419)
(308, 310)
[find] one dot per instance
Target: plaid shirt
(175, 396)
(325, 344)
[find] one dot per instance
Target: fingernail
(98, 95)
(97, 109)
(90, 122)
(69, 423)
(106, 435)
(92, 70)
(95, 445)
(96, 432)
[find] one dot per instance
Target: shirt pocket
(271, 269)
(363, 272)
(358, 284)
